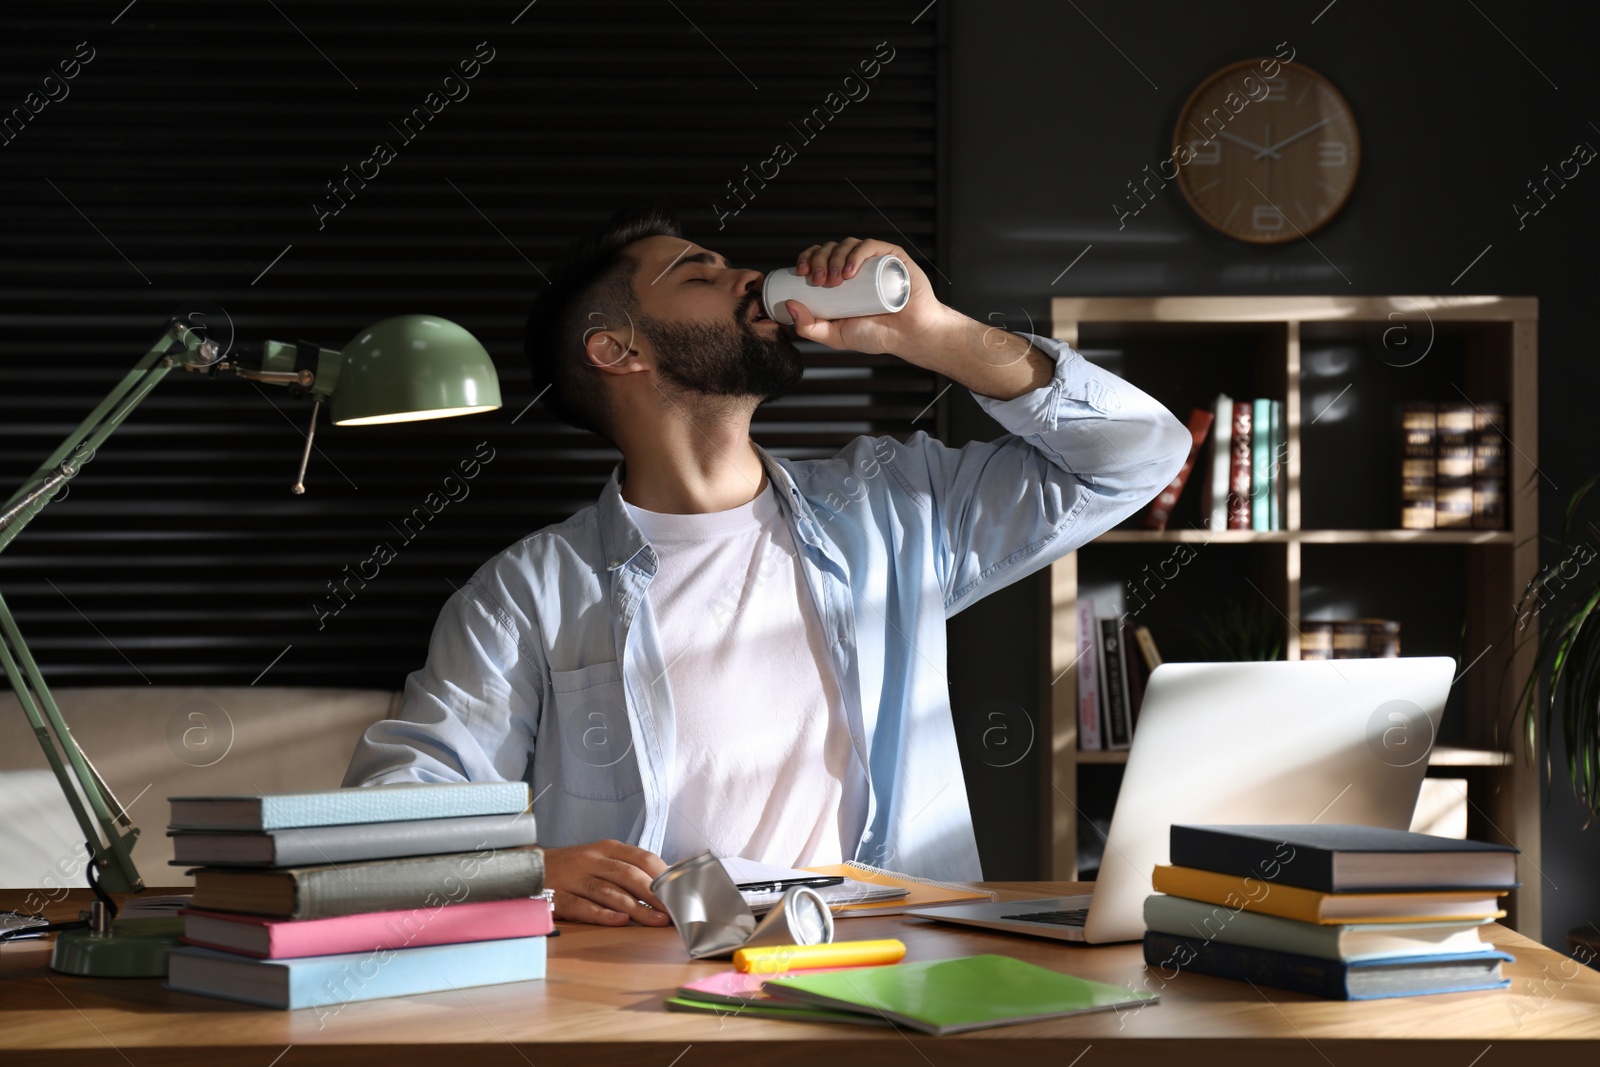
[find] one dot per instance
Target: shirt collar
(621, 539)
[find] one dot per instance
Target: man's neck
(693, 463)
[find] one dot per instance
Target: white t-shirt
(763, 766)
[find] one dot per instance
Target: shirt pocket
(589, 741)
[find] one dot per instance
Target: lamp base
(135, 948)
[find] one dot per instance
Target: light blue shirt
(542, 667)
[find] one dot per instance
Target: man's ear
(609, 348)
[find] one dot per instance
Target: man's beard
(724, 360)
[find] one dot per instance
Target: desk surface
(601, 1004)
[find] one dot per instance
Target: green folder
(766, 1009)
(948, 996)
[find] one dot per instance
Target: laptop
(1332, 741)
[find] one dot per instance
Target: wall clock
(1266, 159)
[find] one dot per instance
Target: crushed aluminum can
(713, 919)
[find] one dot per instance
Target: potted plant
(1566, 597)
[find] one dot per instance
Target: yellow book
(1326, 909)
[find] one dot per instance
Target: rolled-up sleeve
(1083, 452)
(469, 714)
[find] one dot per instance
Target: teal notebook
(949, 996)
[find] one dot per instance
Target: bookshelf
(1342, 366)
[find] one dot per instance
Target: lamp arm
(108, 832)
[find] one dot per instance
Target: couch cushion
(154, 742)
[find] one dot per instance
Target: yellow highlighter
(776, 959)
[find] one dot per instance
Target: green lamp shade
(412, 367)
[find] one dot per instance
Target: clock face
(1266, 159)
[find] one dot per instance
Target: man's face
(704, 320)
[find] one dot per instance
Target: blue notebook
(342, 807)
(317, 981)
(1371, 979)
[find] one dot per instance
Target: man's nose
(750, 279)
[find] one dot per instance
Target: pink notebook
(277, 939)
(732, 987)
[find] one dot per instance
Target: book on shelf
(1308, 905)
(1489, 466)
(1322, 639)
(1239, 467)
(305, 845)
(1133, 668)
(1383, 638)
(343, 807)
(1316, 639)
(318, 981)
(1417, 429)
(1260, 464)
(1345, 858)
(326, 890)
(1117, 729)
(1403, 976)
(1453, 465)
(1160, 510)
(1275, 501)
(1350, 639)
(1452, 469)
(1369, 941)
(1089, 738)
(1147, 648)
(265, 938)
(1214, 499)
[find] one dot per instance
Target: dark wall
(1052, 114)
(159, 153)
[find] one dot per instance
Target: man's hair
(591, 287)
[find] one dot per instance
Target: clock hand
(1259, 151)
(1273, 149)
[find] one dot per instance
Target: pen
(778, 887)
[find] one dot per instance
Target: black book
(1402, 976)
(1114, 686)
(1342, 858)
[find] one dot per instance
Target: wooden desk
(601, 1005)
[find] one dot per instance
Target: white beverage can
(881, 286)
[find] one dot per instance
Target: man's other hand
(605, 882)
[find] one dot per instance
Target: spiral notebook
(920, 892)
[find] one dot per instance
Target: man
(735, 651)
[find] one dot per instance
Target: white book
(1221, 457)
(1089, 739)
(1196, 919)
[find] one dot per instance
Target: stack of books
(1453, 465)
(1243, 489)
(319, 899)
(1242, 486)
(1114, 664)
(1338, 911)
(1349, 639)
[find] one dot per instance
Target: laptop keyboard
(1069, 917)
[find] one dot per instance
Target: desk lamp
(397, 370)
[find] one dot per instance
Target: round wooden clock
(1266, 159)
